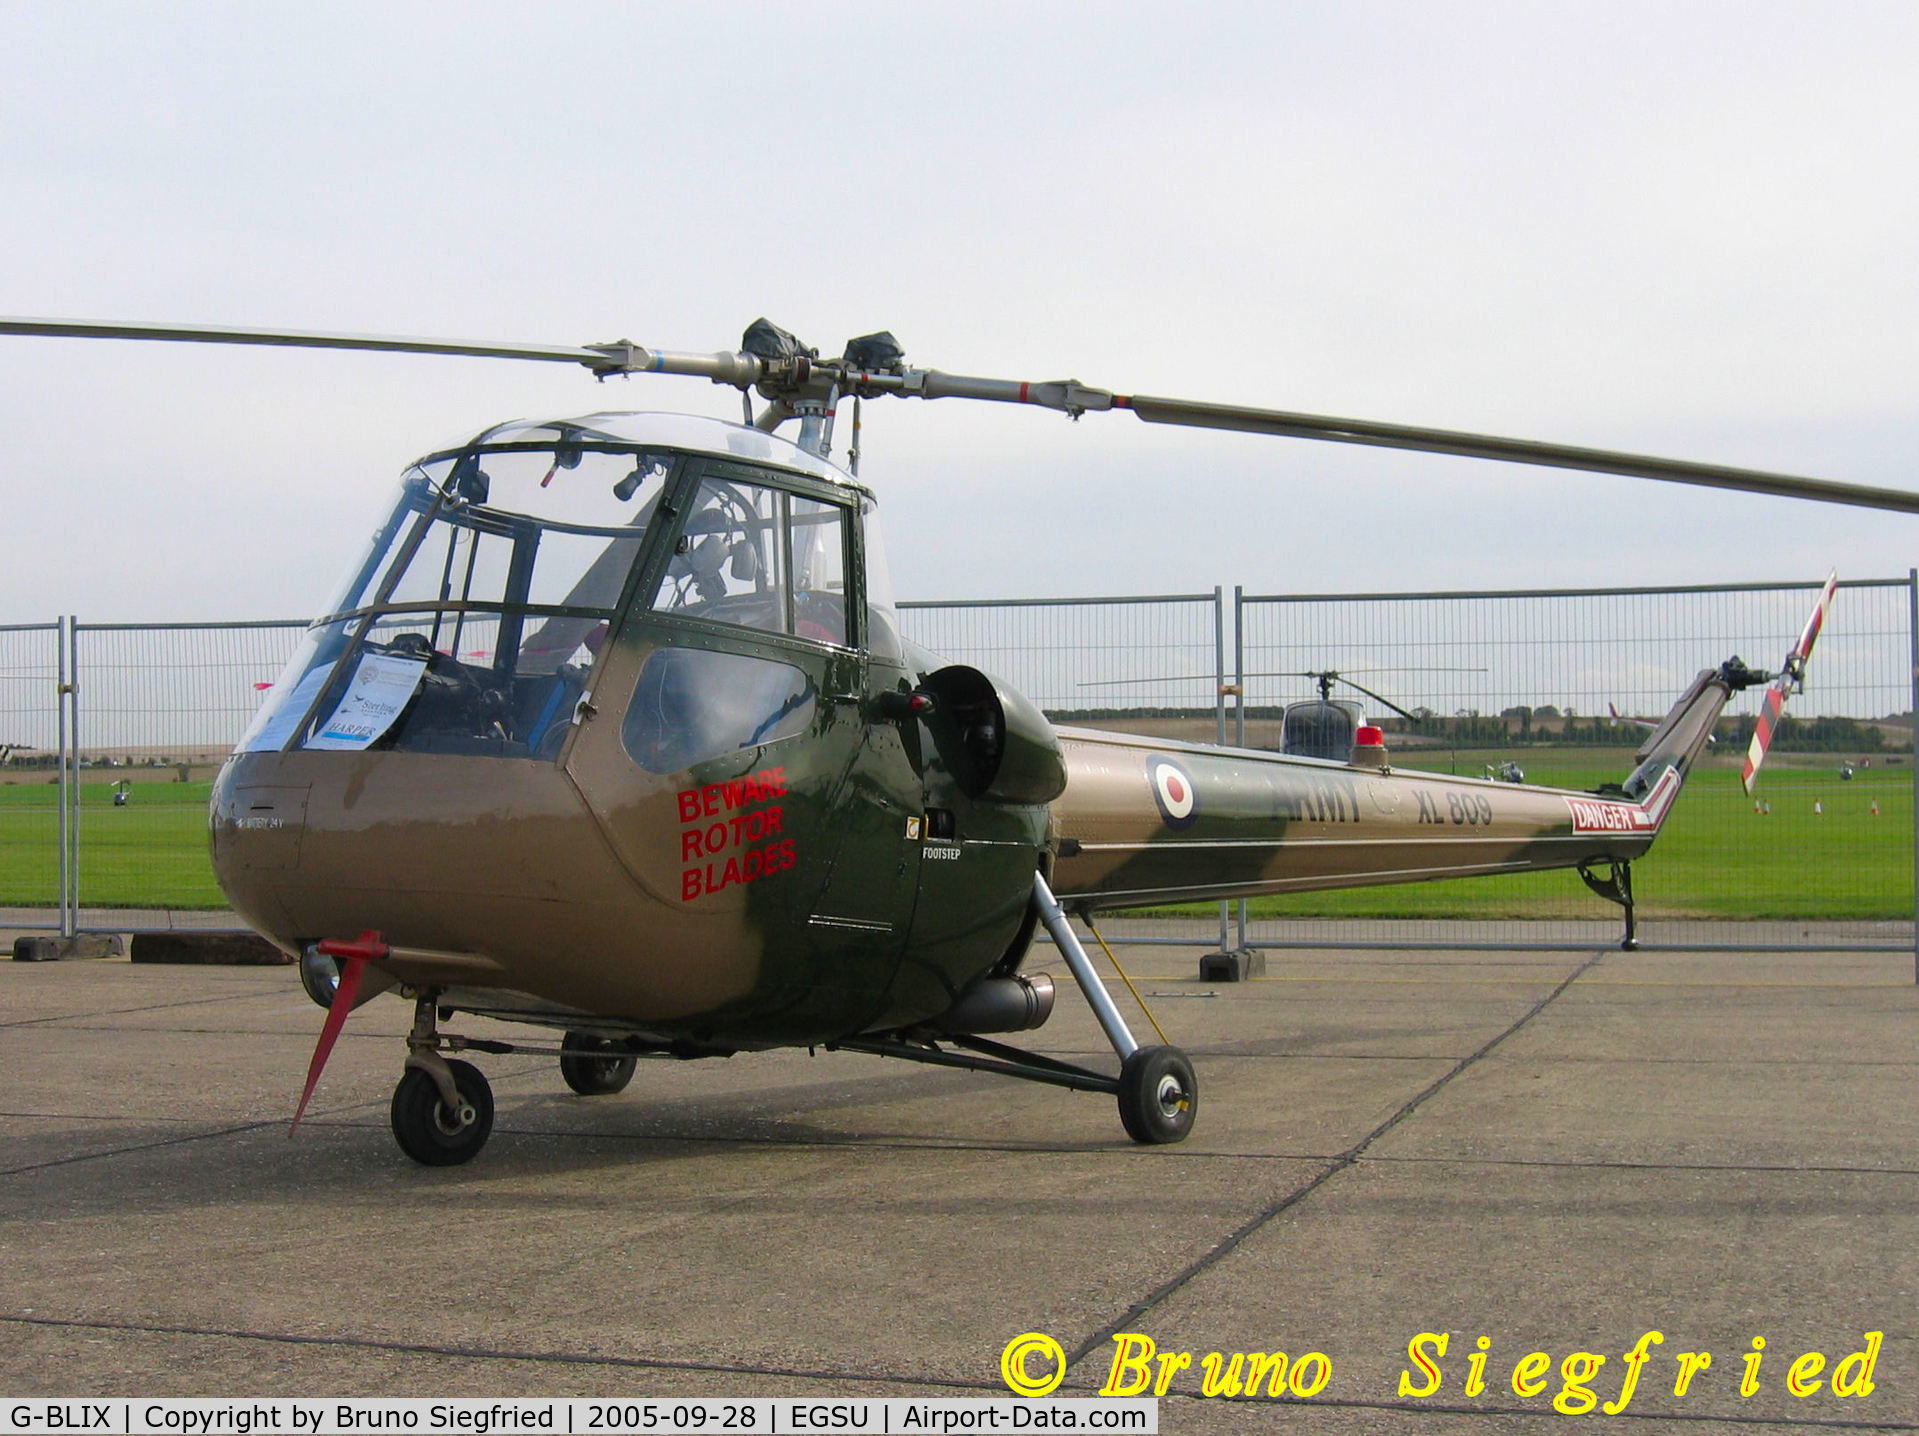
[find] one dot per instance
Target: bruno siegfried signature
(1034, 1364)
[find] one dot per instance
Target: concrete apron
(1550, 1152)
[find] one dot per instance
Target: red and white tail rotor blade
(1791, 679)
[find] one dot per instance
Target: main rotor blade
(621, 356)
(298, 339)
(1069, 395)
(1512, 451)
(1380, 698)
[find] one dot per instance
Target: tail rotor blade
(1809, 635)
(1791, 679)
(1769, 709)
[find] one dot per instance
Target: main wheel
(590, 1067)
(427, 1131)
(1158, 1095)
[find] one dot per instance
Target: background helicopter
(1324, 728)
(610, 730)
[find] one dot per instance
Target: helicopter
(610, 730)
(1324, 728)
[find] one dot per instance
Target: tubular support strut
(1615, 885)
(1054, 916)
(985, 1056)
(423, 1052)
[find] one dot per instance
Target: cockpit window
(692, 705)
(760, 558)
(476, 613)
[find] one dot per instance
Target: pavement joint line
(1728, 983)
(127, 1011)
(1297, 1054)
(1621, 1166)
(250, 1033)
(1874, 986)
(168, 1142)
(485, 1353)
(1232, 1240)
(341, 1118)
(136, 1147)
(1769, 1063)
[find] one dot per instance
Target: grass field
(151, 853)
(1716, 858)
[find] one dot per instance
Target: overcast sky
(1681, 229)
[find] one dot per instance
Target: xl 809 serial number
(675, 1416)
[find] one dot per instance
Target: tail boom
(1145, 821)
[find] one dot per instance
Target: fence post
(1219, 722)
(1912, 630)
(60, 768)
(1239, 722)
(73, 791)
(67, 755)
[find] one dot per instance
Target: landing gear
(1614, 885)
(436, 1132)
(1158, 1095)
(1157, 1090)
(442, 1111)
(593, 1066)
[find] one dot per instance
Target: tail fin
(1669, 751)
(1677, 740)
(1791, 679)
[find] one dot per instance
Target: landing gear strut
(442, 1111)
(1615, 885)
(1157, 1090)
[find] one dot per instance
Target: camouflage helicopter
(611, 730)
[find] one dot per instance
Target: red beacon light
(1369, 746)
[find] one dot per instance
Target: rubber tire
(1158, 1095)
(594, 1073)
(417, 1114)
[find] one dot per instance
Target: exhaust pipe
(999, 1004)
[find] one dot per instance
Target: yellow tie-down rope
(1087, 918)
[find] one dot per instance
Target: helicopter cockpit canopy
(471, 622)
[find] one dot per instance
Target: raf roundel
(1173, 791)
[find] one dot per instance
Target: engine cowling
(996, 744)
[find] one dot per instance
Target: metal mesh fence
(1154, 660)
(1526, 677)
(1151, 665)
(159, 706)
(29, 779)
(1553, 681)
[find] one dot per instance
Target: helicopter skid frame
(1157, 1089)
(984, 1056)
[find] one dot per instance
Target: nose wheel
(442, 1111)
(434, 1130)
